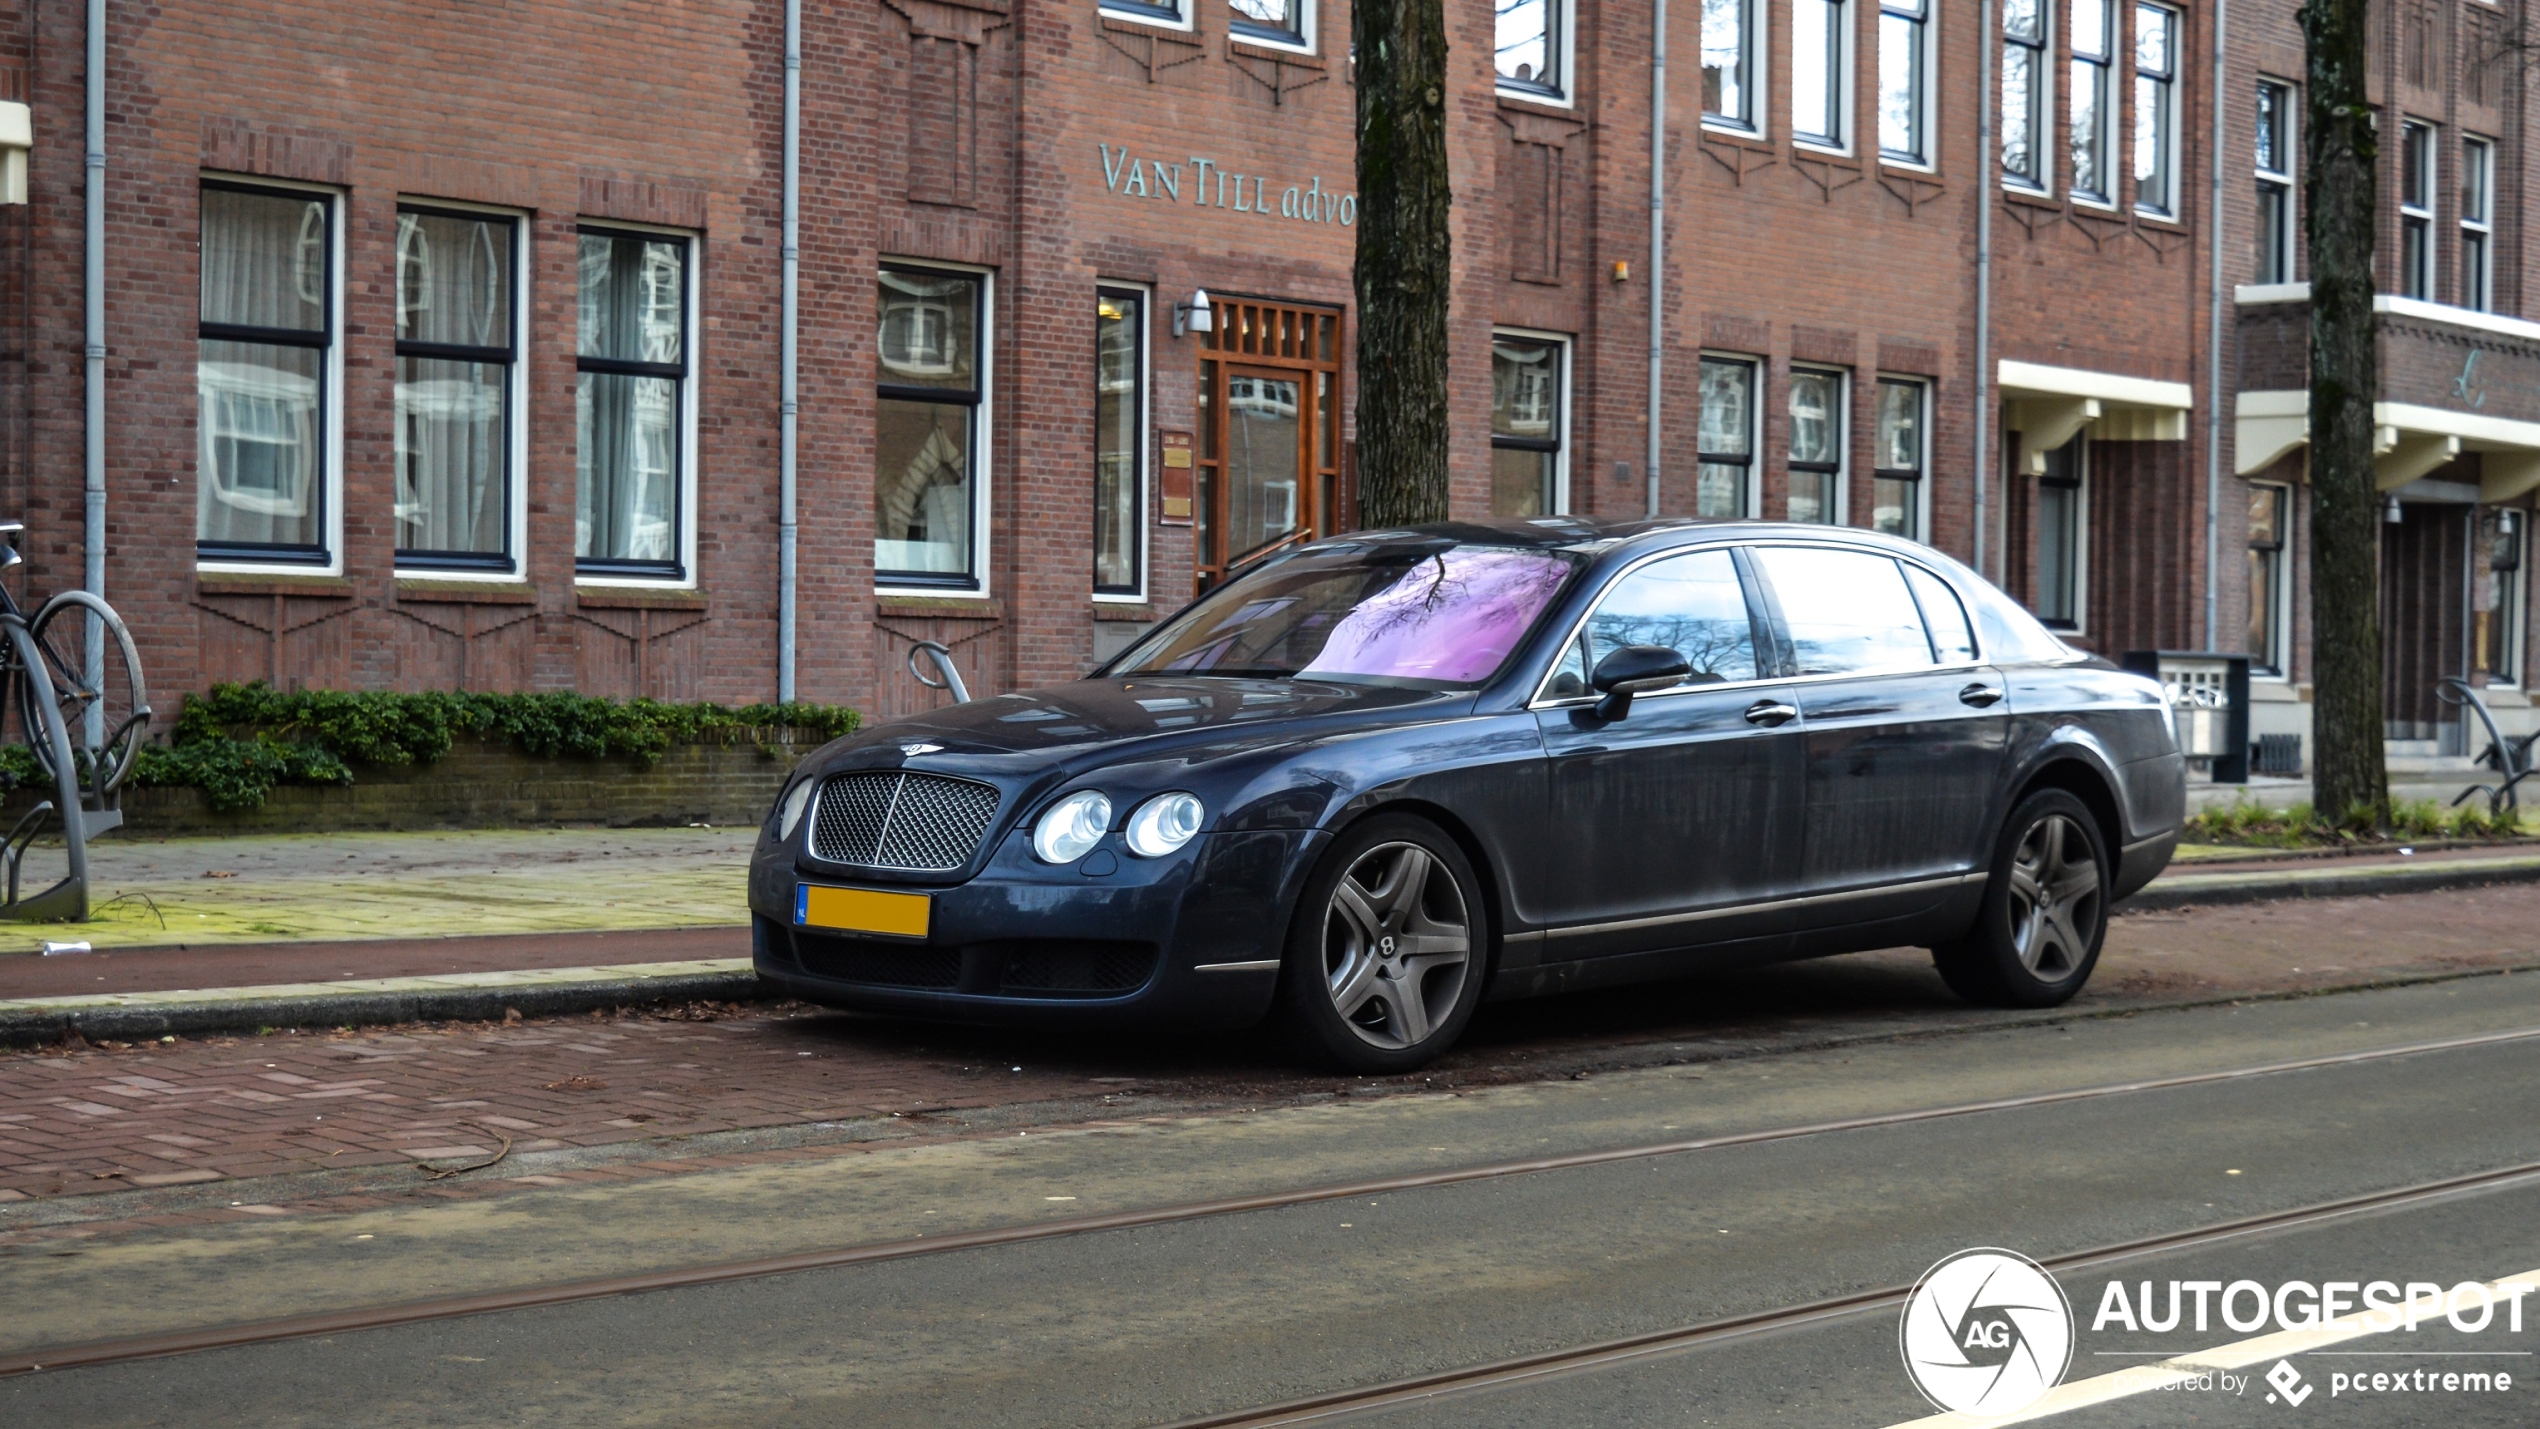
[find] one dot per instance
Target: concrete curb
(34, 1022)
(2212, 890)
(563, 991)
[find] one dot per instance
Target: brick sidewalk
(114, 1118)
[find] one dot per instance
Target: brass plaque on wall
(1174, 490)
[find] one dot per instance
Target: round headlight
(1072, 827)
(1164, 823)
(789, 810)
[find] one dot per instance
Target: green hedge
(239, 741)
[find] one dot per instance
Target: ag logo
(1986, 1332)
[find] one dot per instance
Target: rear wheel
(107, 718)
(2045, 909)
(1386, 955)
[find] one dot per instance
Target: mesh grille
(924, 823)
(1068, 966)
(877, 963)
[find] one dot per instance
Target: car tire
(2045, 911)
(1388, 949)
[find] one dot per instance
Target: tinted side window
(1848, 611)
(1944, 616)
(1692, 604)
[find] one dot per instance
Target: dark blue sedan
(1374, 780)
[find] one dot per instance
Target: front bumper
(1112, 939)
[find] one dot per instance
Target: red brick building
(448, 352)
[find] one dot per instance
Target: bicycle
(51, 694)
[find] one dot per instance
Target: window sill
(1122, 608)
(1730, 131)
(1515, 97)
(1142, 20)
(425, 590)
(638, 598)
(2031, 198)
(1285, 52)
(241, 583)
(2169, 221)
(1916, 167)
(939, 607)
(1818, 148)
(2095, 205)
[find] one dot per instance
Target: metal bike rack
(87, 778)
(942, 660)
(2511, 757)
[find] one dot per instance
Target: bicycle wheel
(107, 719)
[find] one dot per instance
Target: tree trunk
(1402, 269)
(2350, 779)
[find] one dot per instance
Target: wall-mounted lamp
(2392, 513)
(1194, 316)
(1622, 271)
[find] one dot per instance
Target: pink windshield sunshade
(1452, 617)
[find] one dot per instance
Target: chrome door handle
(1771, 713)
(1979, 695)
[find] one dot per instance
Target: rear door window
(1847, 612)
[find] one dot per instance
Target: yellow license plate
(861, 910)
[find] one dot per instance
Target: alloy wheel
(2054, 897)
(1397, 945)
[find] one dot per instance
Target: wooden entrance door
(1269, 458)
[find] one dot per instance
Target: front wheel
(1387, 952)
(2045, 910)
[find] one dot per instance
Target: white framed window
(1732, 75)
(2156, 33)
(2063, 531)
(2500, 632)
(1120, 442)
(635, 405)
(930, 457)
(461, 441)
(1724, 471)
(2478, 216)
(2093, 116)
(1905, 81)
(1817, 445)
(1900, 452)
(1169, 14)
(269, 377)
(2274, 155)
(1532, 49)
(1820, 72)
(1288, 24)
(2270, 578)
(1529, 423)
(2027, 94)
(2416, 210)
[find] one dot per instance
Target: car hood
(1105, 721)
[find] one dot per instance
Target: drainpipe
(2214, 355)
(1985, 42)
(93, 534)
(1657, 240)
(787, 408)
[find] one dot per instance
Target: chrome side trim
(1259, 965)
(1955, 880)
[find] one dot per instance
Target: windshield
(1437, 615)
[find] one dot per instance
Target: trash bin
(2209, 695)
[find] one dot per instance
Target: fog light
(1072, 827)
(1164, 823)
(789, 810)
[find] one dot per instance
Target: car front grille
(1014, 967)
(879, 963)
(921, 823)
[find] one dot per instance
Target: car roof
(1588, 535)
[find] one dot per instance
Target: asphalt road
(1222, 1313)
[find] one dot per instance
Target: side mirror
(1635, 670)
